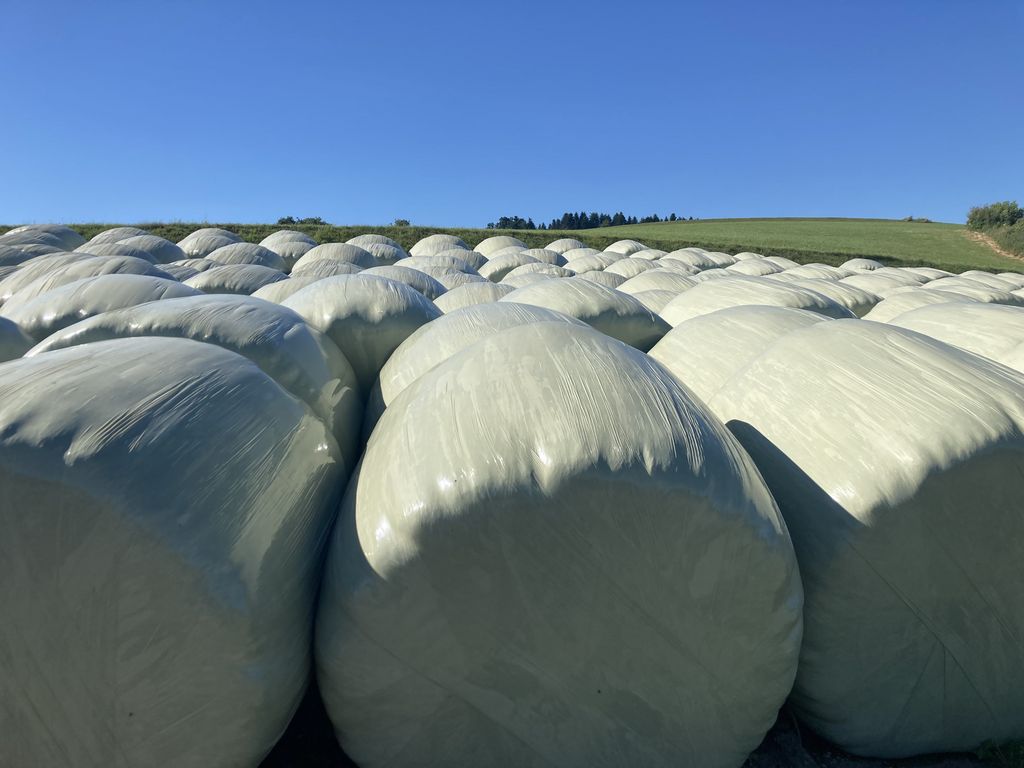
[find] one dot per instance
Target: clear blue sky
(454, 113)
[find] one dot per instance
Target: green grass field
(831, 241)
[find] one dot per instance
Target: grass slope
(831, 241)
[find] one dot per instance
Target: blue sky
(454, 113)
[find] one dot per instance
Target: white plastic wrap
(496, 268)
(414, 278)
(657, 280)
(243, 279)
(247, 253)
(157, 578)
(655, 300)
(203, 242)
(366, 317)
(989, 330)
(432, 244)
(79, 270)
(552, 555)
(564, 244)
(630, 267)
(338, 252)
(322, 268)
(162, 251)
(549, 257)
(67, 238)
(706, 351)
(625, 247)
(372, 239)
(898, 463)
(282, 236)
(273, 337)
(755, 268)
(120, 248)
(116, 234)
(471, 294)
(739, 291)
(855, 299)
(898, 303)
(383, 253)
(490, 245)
(593, 262)
(282, 289)
(607, 279)
(861, 265)
(37, 267)
(56, 309)
(615, 314)
(291, 251)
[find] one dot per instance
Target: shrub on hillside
(1004, 214)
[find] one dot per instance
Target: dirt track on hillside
(980, 237)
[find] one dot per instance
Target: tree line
(582, 220)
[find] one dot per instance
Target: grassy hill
(831, 241)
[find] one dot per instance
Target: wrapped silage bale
(58, 308)
(657, 280)
(161, 250)
(755, 268)
(1015, 278)
(242, 279)
(897, 463)
(539, 269)
(715, 273)
(649, 254)
(720, 259)
(414, 278)
(929, 272)
(282, 236)
(989, 330)
(445, 262)
(474, 259)
(121, 248)
(748, 256)
(157, 578)
(740, 291)
(471, 294)
(679, 267)
(818, 272)
(861, 265)
(958, 282)
(510, 250)
(79, 270)
(607, 279)
(855, 299)
(578, 253)
(282, 289)
(496, 269)
(115, 235)
(625, 247)
(35, 268)
(435, 342)
(630, 267)
(372, 238)
(564, 244)
(67, 238)
(882, 285)
(291, 251)
(706, 351)
(549, 257)
(337, 252)
(34, 239)
(199, 265)
(271, 336)
(526, 573)
(782, 261)
(691, 258)
(654, 299)
(14, 256)
(992, 281)
(383, 253)
(432, 244)
(322, 268)
(452, 278)
(593, 262)
(616, 314)
(247, 253)
(366, 317)
(491, 245)
(203, 242)
(899, 303)
(14, 342)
